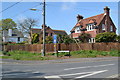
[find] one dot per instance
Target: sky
(59, 15)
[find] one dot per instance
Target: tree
(8, 24)
(64, 39)
(35, 38)
(84, 37)
(106, 37)
(26, 27)
(49, 39)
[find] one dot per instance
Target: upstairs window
(111, 28)
(77, 30)
(90, 27)
(103, 26)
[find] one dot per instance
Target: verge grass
(24, 55)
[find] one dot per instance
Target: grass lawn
(24, 55)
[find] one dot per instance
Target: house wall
(14, 40)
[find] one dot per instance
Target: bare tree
(26, 26)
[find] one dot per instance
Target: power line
(27, 10)
(11, 6)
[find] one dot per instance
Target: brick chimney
(107, 23)
(79, 17)
(106, 10)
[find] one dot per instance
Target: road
(73, 70)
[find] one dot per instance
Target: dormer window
(77, 30)
(90, 27)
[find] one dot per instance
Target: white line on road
(91, 74)
(89, 67)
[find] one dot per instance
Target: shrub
(84, 37)
(35, 38)
(106, 37)
(118, 38)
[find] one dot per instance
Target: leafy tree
(64, 39)
(35, 38)
(118, 38)
(26, 27)
(49, 39)
(8, 24)
(84, 37)
(106, 37)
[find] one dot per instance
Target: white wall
(14, 40)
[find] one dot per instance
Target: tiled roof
(35, 30)
(83, 22)
(62, 32)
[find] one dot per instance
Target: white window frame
(77, 30)
(90, 27)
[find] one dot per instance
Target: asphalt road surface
(71, 69)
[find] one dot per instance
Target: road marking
(51, 77)
(89, 67)
(91, 74)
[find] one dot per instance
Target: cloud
(68, 6)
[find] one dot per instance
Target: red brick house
(93, 25)
(48, 32)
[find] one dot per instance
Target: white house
(13, 36)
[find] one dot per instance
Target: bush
(35, 38)
(118, 38)
(106, 37)
(84, 37)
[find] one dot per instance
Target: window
(14, 34)
(18, 38)
(111, 28)
(77, 30)
(46, 34)
(90, 27)
(103, 26)
(51, 34)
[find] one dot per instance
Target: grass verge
(24, 55)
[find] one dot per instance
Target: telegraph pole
(43, 51)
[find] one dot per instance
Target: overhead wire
(11, 6)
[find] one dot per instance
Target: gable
(94, 19)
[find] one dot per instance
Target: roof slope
(35, 30)
(97, 19)
(62, 32)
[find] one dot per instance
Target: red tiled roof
(83, 22)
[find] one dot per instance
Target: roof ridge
(58, 30)
(93, 16)
(35, 28)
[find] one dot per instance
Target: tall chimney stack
(106, 10)
(79, 17)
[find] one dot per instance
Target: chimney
(107, 23)
(106, 10)
(79, 17)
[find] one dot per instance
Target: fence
(71, 47)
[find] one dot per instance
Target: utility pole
(43, 47)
